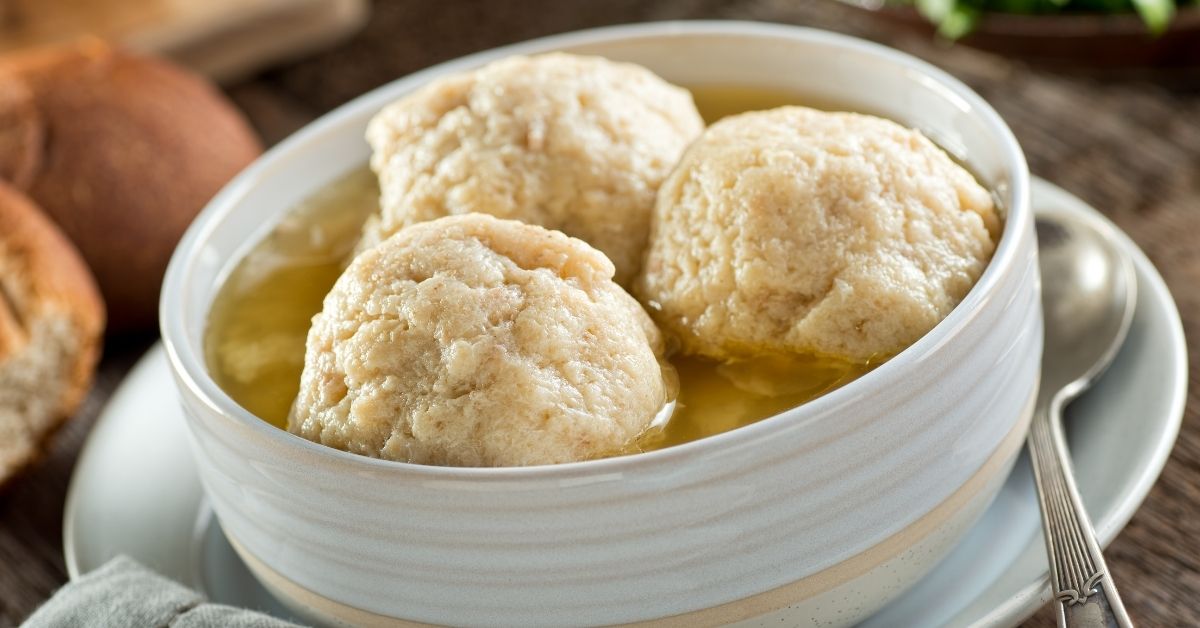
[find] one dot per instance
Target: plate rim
(1023, 603)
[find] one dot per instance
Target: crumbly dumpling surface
(574, 143)
(474, 341)
(800, 231)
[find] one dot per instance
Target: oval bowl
(818, 515)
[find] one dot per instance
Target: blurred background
(1104, 96)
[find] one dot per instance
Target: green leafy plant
(955, 18)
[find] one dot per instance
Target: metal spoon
(1088, 294)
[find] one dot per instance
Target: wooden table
(1131, 147)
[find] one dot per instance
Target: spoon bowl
(1089, 289)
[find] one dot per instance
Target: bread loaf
(121, 151)
(51, 322)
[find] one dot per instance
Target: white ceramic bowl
(818, 515)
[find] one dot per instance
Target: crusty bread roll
(121, 151)
(51, 322)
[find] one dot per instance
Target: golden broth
(260, 319)
(717, 101)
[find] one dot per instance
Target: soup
(257, 328)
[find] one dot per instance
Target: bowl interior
(816, 64)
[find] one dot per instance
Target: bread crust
(22, 132)
(42, 274)
(133, 148)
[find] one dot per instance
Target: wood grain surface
(1129, 145)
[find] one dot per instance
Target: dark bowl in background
(1089, 40)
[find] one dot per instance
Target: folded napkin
(123, 593)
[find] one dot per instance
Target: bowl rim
(192, 373)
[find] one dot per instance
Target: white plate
(135, 490)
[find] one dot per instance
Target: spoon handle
(1084, 593)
